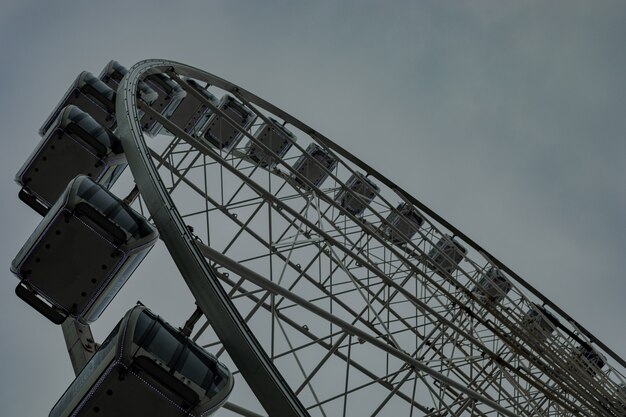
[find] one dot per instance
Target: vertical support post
(80, 344)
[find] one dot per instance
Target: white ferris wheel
(321, 288)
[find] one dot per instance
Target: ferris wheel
(320, 286)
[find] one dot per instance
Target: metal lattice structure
(331, 290)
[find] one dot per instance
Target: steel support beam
(80, 343)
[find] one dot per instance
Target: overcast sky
(507, 118)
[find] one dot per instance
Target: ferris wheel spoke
(332, 350)
(340, 340)
(242, 411)
(300, 367)
(303, 303)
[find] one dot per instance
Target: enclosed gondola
(446, 255)
(112, 75)
(492, 286)
(92, 96)
(221, 132)
(81, 253)
(146, 367)
(538, 324)
(170, 97)
(314, 165)
(76, 144)
(402, 224)
(274, 136)
(359, 192)
(157, 90)
(585, 357)
(192, 114)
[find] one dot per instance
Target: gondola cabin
(274, 136)
(492, 286)
(221, 132)
(402, 224)
(588, 359)
(112, 75)
(90, 95)
(81, 253)
(192, 114)
(538, 324)
(157, 90)
(76, 144)
(359, 192)
(170, 96)
(145, 367)
(314, 165)
(446, 255)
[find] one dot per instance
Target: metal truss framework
(318, 309)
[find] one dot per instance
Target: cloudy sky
(508, 118)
